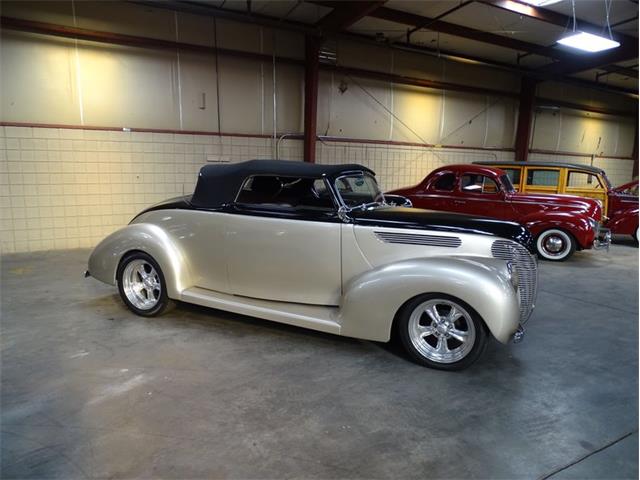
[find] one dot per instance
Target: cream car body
(338, 269)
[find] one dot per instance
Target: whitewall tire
(555, 245)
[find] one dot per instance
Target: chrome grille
(417, 239)
(527, 269)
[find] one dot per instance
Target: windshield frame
(506, 184)
(362, 206)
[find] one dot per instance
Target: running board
(307, 316)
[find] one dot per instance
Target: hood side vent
(417, 239)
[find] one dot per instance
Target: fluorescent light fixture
(540, 3)
(588, 42)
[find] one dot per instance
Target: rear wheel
(442, 332)
(555, 245)
(141, 285)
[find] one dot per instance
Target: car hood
(416, 218)
(561, 202)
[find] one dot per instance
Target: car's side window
(285, 192)
(542, 177)
(445, 182)
(582, 180)
(473, 183)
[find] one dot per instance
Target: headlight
(513, 275)
(594, 224)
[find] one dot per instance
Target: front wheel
(141, 285)
(442, 332)
(555, 245)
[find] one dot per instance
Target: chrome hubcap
(141, 284)
(553, 244)
(442, 331)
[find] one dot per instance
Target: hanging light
(540, 3)
(588, 42)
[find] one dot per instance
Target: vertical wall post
(634, 155)
(525, 115)
(312, 50)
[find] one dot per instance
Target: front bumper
(519, 335)
(602, 240)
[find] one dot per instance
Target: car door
(439, 194)
(481, 195)
(282, 250)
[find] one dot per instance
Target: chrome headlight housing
(512, 272)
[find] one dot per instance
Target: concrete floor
(90, 390)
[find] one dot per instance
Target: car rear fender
(372, 300)
(148, 238)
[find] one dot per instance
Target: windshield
(359, 190)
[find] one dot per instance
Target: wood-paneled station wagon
(620, 204)
(561, 224)
(317, 246)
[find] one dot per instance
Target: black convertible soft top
(219, 184)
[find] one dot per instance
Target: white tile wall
(67, 188)
(401, 166)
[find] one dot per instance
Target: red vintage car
(561, 224)
(623, 209)
(620, 204)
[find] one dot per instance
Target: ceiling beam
(465, 58)
(624, 71)
(347, 13)
(413, 20)
(578, 62)
(209, 10)
(581, 63)
(554, 18)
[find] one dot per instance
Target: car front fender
(370, 301)
(577, 224)
(148, 238)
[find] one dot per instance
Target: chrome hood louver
(419, 239)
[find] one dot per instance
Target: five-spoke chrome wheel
(442, 330)
(141, 285)
(555, 245)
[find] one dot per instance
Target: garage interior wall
(66, 187)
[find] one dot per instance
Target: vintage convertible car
(561, 224)
(316, 246)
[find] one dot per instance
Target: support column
(634, 155)
(525, 115)
(312, 50)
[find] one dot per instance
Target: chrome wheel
(554, 245)
(141, 284)
(442, 331)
